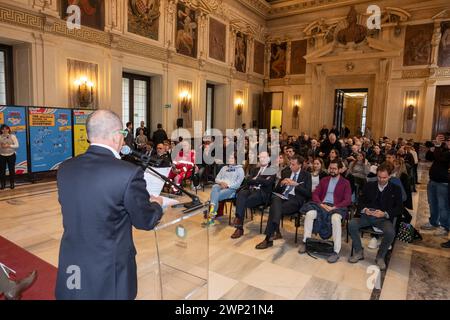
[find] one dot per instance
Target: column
(171, 9)
(435, 44)
(427, 107)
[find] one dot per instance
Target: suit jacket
(313, 153)
(101, 199)
(342, 193)
(391, 202)
(159, 136)
(129, 140)
(264, 182)
(302, 191)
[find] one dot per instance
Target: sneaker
(356, 257)
(302, 247)
(333, 258)
(381, 264)
(373, 243)
(441, 232)
(428, 226)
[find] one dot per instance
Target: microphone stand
(190, 206)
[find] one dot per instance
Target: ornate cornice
(440, 73)
(42, 23)
(415, 73)
(260, 7)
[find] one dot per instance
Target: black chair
(373, 232)
(231, 201)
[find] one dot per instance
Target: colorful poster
(50, 137)
(80, 141)
(15, 118)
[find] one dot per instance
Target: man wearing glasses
(102, 198)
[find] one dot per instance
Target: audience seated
(182, 166)
(257, 191)
(328, 207)
(380, 202)
(293, 190)
(228, 180)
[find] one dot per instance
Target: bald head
(102, 125)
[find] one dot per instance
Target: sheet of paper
(168, 202)
(155, 183)
(280, 195)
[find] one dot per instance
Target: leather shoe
(446, 244)
(16, 288)
(264, 245)
(237, 222)
(237, 233)
(276, 236)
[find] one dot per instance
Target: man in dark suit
(257, 191)
(161, 156)
(328, 145)
(293, 190)
(379, 203)
(159, 135)
(314, 150)
(101, 198)
(129, 139)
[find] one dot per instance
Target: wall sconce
(186, 101)
(296, 108)
(239, 106)
(85, 92)
(411, 104)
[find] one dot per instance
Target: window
(135, 99)
(209, 106)
(6, 76)
(364, 115)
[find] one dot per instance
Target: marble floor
(30, 217)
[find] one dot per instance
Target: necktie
(289, 188)
(260, 172)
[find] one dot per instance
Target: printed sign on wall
(15, 118)
(50, 137)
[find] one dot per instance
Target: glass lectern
(181, 263)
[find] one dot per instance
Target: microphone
(127, 151)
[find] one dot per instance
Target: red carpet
(23, 263)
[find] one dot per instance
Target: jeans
(381, 223)
(11, 162)
(218, 194)
(438, 202)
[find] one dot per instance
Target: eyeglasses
(123, 132)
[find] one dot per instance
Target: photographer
(438, 186)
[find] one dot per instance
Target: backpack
(407, 233)
(319, 247)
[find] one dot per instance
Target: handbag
(407, 233)
(319, 247)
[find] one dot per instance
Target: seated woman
(317, 172)
(360, 168)
(376, 158)
(182, 166)
(333, 155)
(141, 141)
(228, 180)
